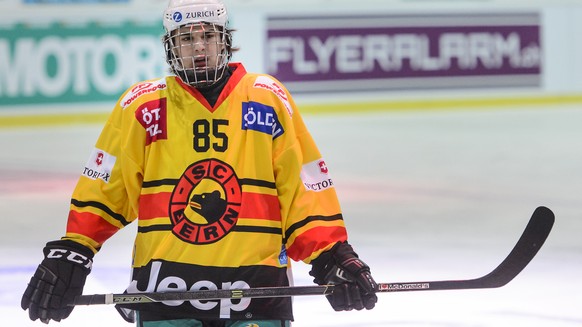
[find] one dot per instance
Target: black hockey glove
(354, 286)
(57, 280)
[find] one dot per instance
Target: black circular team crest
(205, 204)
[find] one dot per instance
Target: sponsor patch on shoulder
(141, 89)
(152, 115)
(99, 165)
(261, 118)
(315, 176)
(267, 83)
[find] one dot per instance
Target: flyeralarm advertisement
(404, 52)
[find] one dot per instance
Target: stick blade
(535, 234)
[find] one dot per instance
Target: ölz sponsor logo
(99, 165)
(177, 284)
(315, 176)
(261, 118)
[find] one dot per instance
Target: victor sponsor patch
(315, 176)
(99, 165)
(261, 118)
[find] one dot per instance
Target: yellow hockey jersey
(222, 194)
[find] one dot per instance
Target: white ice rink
(426, 196)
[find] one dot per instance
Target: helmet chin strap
(201, 79)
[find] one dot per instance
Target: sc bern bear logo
(205, 203)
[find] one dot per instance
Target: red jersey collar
(237, 73)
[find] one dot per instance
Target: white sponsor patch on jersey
(141, 89)
(267, 83)
(315, 176)
(99, 165)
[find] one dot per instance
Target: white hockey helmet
(210, 16)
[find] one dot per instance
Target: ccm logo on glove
(70, 256)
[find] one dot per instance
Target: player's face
(199, 46)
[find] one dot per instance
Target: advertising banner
(57, 2)
(70, 63)
(382, 52)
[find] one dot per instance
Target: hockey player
(225, 182)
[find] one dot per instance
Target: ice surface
(426, 196)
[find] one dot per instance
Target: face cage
(200, 75)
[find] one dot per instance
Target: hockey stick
(533, 237)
